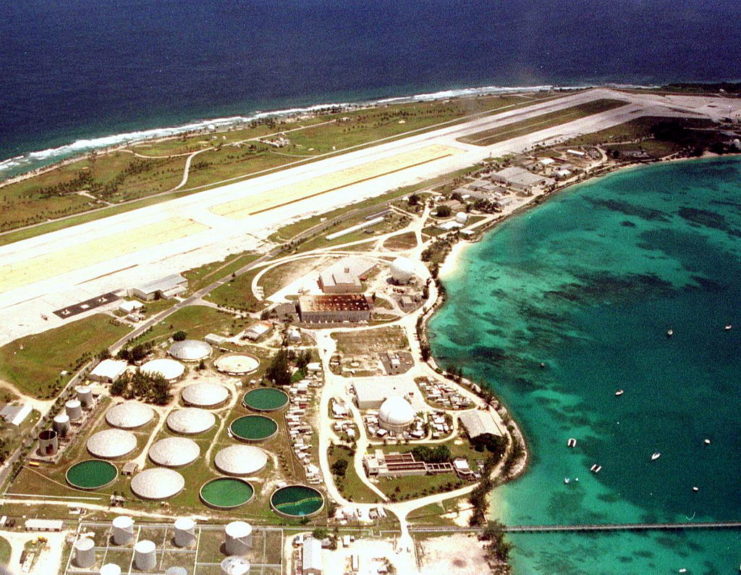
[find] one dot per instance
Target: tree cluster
(437, 454)
(150, 388)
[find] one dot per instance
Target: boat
(619, 392)
(707, 442)
(669, 332)
(566, 480)
(729, 327)
(571, 442)
(695, 489)
(595, 468)
(655, 455)
(683, 570)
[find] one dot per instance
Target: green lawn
(197, 321)
(541, 122)
(4, 551)
(202, 276)
(351, 486)
(33, 363)
(237, 293)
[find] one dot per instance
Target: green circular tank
(91, 474)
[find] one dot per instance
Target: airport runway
(60, 268)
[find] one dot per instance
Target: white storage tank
(61, 424)
(84, 552)
(73, 408)
(176, 571)
(185, 532)
(235, 566)
(461, 218)
(110, 569)
(85, 395)
(123, 529)
(402, 270)
(238, 538)
(145, 555)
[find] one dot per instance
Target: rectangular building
(16, 414)
(521, 180)
(168, 286)
(345, 276)
(479, 422)
(311, 560)
(336, 308)
(108, 370)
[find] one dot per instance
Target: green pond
(253, 427)
(91, 474)
(265, 399)
(297, 500)
(226, 492)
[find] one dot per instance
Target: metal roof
(190, 350)
(111, 443)
(241, 460)
(479, 422)
(205, 394)
(190, 420)
(235, 566)
(157, 483)
(174, 451)
(129, 415)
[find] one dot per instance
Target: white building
(395, 414)
(521, 180)
(166, 287)
(480, 422)
(345, 276)
(312, 557)
(16, 414)
(130, 306)
(108, 370)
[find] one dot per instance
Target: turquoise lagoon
(589, 283)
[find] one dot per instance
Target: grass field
(371, 341)
(204, 275)
(4, 551)
(33, 363)
(237, 293)
(197, 321)
(401, 242)
(542, 122)
(120, 176)
(350, 485)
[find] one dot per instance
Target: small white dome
(111, 443)
(167, 368)
(205, 394)
(396, 411)
(129, 415)
(157, 483)
(190, 420)
(241, 460)
(461, 217)
(190, 350)
(402, 270)
(174, 451)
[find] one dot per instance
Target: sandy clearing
(89, 253)
(250, 205)
(453, 555)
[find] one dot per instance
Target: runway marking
(86, 254)
(312, 187)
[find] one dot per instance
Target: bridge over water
(589, 527)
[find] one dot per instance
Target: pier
(589, 527)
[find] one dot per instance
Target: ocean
(589, 283)
(83, 74)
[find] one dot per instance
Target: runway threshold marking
(93, 252)
(319, 185)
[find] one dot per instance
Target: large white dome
(190, 420)
(402, 270)
(241, 460)
(167, 368)
(396, 411)
(111, 443)
(174, 451)
(157, 483)
(190, 350)
(129, 415)
(205, 394)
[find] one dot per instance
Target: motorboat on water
(566, 480)
(695, 489)
(571, 442)
(619, 392)
(706, 442)
(655, 455)
(595, 468)
(729, 327)
(669, 332)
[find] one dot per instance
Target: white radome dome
(402, 270)
(396, 411)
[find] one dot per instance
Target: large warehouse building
(345, 276)
(336, 308)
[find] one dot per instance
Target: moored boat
(655, 455)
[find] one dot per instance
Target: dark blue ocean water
(589, 283)
(82, 69)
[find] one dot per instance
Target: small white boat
(695, 489)
(576, 479)
(595, 468)
(683, 570)
(619, 392)
(571, 442)
(655, 455)
(669, 332)
(706, 442)
(566, 480)
(728, 327)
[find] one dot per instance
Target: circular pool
(265, 399)
(296, 501)
(226, 492)
(237, 364)
(91, 474)
(253, 428)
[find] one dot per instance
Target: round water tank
(48, 442)
(61, 424)
(85, 395)
(145, 555)
(176, 571)
(73, 408)
(84, 552)
(110, 569)
(185, 532)
(238, 538)
(123, 529)
(235, 566)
